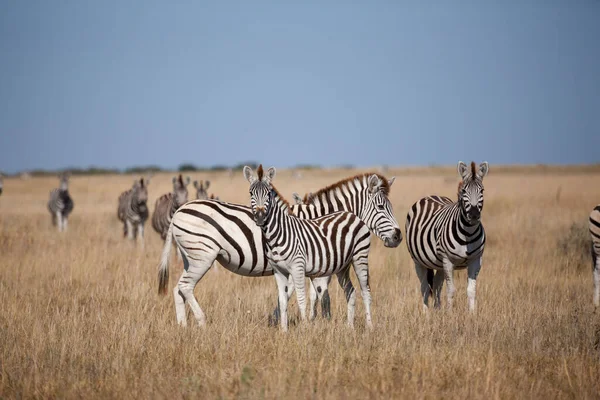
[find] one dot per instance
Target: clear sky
(124, 83)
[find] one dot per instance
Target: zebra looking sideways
(318, 247)
(60, 203)
(205, 231)
(443, 235)
(132, 209)
(167, 204)
(595, 233)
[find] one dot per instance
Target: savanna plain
(80, 316)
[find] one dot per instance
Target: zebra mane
(385, 185)
(282, 199)
(260, 172)
(473, 169)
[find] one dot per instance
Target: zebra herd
(319, 236)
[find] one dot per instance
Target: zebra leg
(346, 284)
(129, 229)
(596, 260)
(322, 286)
(179, 297)
(282, 281)
(472, 272)
(59, 220)
(438, 284)
(297, 272)
(449, 275)
(195, 270)
(65, 220)
(289, 289)
(140, 234)
(425, 289)
(361, 268)
(312, 295)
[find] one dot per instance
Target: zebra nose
(474, 213)
(397, 235)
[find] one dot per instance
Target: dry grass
(80, 317)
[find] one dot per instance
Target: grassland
(80, 315)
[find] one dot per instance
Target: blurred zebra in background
(61, 204)
(595, 233)
(133, 209)
(167, 204)
(1, 183)
(201, 189)
(443, 235)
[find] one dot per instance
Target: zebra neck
(278, 216)
(332, 201)
(174, 206)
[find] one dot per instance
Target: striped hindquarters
(208, 229)
(163, 212)
(60, 202)
(595, 231)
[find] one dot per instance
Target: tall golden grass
(80, 317)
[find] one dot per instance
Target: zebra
(595, 233)
(443, 235)
(201, 189)
(318, 247)
(205, 231)
(1, 183)
(132, 209)
(60, 203)
(167, 204)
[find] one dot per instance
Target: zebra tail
(430, 280)
(163, 269)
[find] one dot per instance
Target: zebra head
(140, 191)
(297, 198)
(470, 190)
(201, 189)
(64, 181)
(378, 213)
(180, 192)
(260, 192)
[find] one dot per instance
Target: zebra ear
(206, 184)
(374, 183)
(297, 198)
(483, 169)
(196, 184)
(270, 175)
(391, 180)
(187, 180)
(249, 174)
(463, 170)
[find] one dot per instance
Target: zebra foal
(442, 235)
(167, 204)
(132, 209)
(303, 247)
(60, 203)
(594, 223)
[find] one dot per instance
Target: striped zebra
(201, 189)
(319, 247)
(60, 203)
(167, 204)
(132, 209)
(595, 233)
(443, 235)
(206, 231)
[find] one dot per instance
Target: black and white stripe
(299, 247)
(61, 204)
(595, 234)
(167, 204)
(443, 235)
(132, 209)
(206, 231)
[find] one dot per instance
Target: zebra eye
(380, 206)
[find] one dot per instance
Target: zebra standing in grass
(205, 231)
(311, 247)
(133, 209)
(61, 204)
(443, 235)
(201, 189)
(595, 233)
(167, 204)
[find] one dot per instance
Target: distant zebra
(133, 209)
(310, 247)
(1, 183)
(201, 189)
(60, 203)
(167, 204)
(443, 235)
(595, 233)
(206, 231)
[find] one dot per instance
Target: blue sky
(124, 83)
